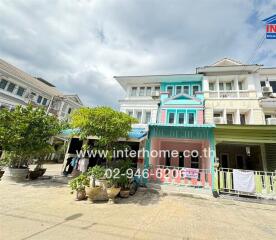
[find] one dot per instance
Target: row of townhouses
(225, 113)
(229, 107)
(19, 88)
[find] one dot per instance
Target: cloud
(81, 45)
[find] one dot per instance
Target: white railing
(229, 94)
(265, 183)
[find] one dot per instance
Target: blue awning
(135, 133)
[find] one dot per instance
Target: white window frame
(181, 89)
(172, 90)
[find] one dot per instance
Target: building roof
(124, 81)
(27, 78)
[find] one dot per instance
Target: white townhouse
(20, 88)
(237, 93)
(141, 97)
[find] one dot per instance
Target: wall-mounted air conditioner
(271, 121)
(155, 94)
(267, 89)
(218, 120)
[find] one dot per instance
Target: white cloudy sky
(80, 45)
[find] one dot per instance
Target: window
(3, 83)
(171, 118)
(11, 87)
(186, 90)
(191, 118)
(262, 83)
(211, 86)
(228, 86)
(181, 118)
(170, 91)
(142, 91)
(229, 118)
(130, 113)
(157, 89)
(44, 102)
(267, 116)
(195, 89)
(178, 89)
(69, 110)
(133, 91)
(240, 85)
(242, 119)
(221, 87)
(139, 116)
(194, 162)
(148, 93)
(39, 99)
(148, 117)
(20, 91)
(273, 85)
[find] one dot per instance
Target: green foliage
(25, 132)
(124, 165)
(79, 183)
(105, 123)
(96, 171)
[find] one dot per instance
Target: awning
(135, 133)
(245, 133)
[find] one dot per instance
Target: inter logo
(270, 27)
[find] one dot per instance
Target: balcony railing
(229, 94)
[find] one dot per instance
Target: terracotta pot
(93, 192)
(34, 174)
(124, 193)
(42, 171)
(1, 173)
(81, 195)
(112, 193)
(16, 174)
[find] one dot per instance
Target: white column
(224, 116)
(238, 120)
(142, 117)
(217, 86)
(236, 85)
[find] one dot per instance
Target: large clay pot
(102, 196)
(16, 174)
(124, 193)
(112, 193)
(81, 195)
(93, 192)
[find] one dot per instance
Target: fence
(265, 183)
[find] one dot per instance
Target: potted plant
(78, 184)
(96, 174)
(40, 157)
(123, 180)
(97, 179)
(24, 132)
(113, 190)
(124, 184)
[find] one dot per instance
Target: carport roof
(245, 133)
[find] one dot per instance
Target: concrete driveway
(46, 210)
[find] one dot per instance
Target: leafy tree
(26, 132)
(105, 123)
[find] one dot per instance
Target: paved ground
(46, 210)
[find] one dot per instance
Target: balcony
(229, 94)
(271, 121)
